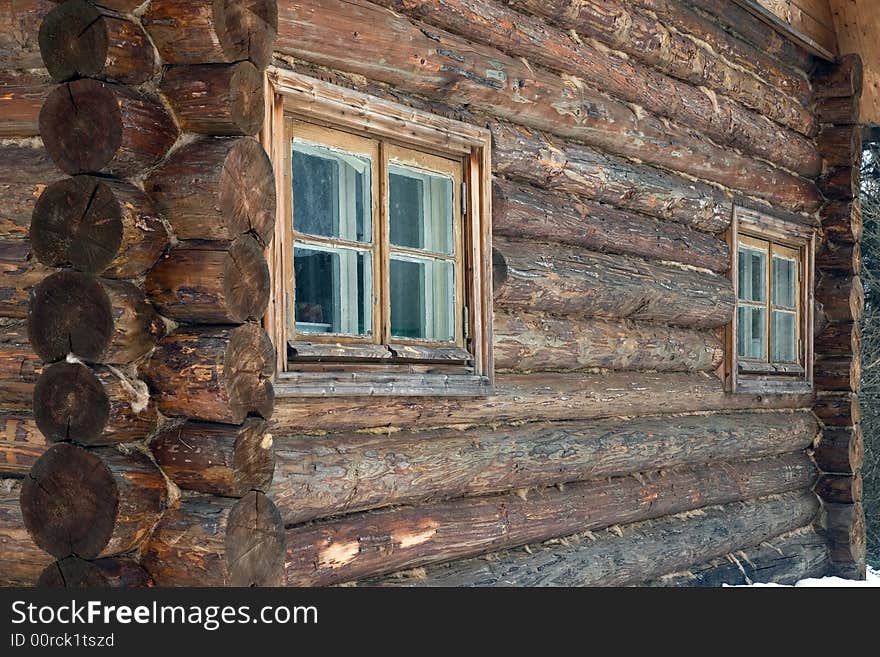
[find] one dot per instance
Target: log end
(75, 573)
(70, 404)
(73, 41)
(247, 189)
(255, 542)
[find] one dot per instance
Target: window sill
(781, 385)
(376, 384)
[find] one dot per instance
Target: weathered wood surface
(330, 33)
(217, 374)
(839, 111)
(317, 476)
(26, 171)
(21, 443)
(520, 35)
(217, 189)
(92, 405)
(75, 573)
(840, 450)
(19, 366)
(845, 257)
(838, 409)
(212, 541)
(90, 126)
(19, 275)
(385, 541)
(22, 93)
(841, 373)
(641, 36)
(220, 459)
(92, 503)
(840, 145)
(629, 555)
(79, 39)
(785, 559)
(839, 79)
(567, 281)
(216, 99)
(525, 212)
(844, 526)
(21, 561)
(532, 343)
(212, 31)
(19, 26)
(840, 183)
(839, 339)
(212, 283)
(97, 225)
(101, 321)
(842, 489)
(842, 220)
(842, 297)
(565, 166)
(539, 397)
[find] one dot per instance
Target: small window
(380, 263)
(772, 329)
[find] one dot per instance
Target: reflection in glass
(334, 288)
(420, 209)
(784, 282)
(751, 332)
(752, 274)
(783, 348)
(422, 300)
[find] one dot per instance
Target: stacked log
(837, 374)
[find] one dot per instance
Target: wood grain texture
(21, 443)
(19, 26)
(22, 94)
(27, 170)
(21, 560)
(75, 573)
(20, 274)
(19, 366)
(840, 450)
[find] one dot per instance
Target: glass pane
(751, 332)
(784, 337)
(420, 209)
(334, 288)
(422, 304)
(331, 193)
(784, 279)
(752, 274)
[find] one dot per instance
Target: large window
(381, 256)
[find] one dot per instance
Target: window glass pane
(784, 337)
(751, 332)
(420, 209)
(784, 279)
(752, 274)
(422, 305)
(331, 193)
(334, 288)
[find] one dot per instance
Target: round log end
(247, 30)
(70, 313)
(73, 573)
(73, 41)
(250, 360)
(70, 404)
(248, 100)
(247, 189)
(255, 542)
(69, 502)
(253, 457)
(247, 280)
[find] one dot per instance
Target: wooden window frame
(748, 375)
(324, 365)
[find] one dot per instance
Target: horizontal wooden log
(625, 28)
(840, 489)
(844, 526)
(21, 560)
(96, 127)
(786, 559)
(211, 541)
(432, 62)
(840, 183)
(216, 99)
(342, 473)
(19, 26)
(219, 459)
(556, 164)
(841, 373)
(97, 320)
(521, 211)
(216, 374)
(92, 406)
(78, 39)
(19, 275)
(22, 93)
(838, 409)
(379, 542)
(566, 281)
(530, 397)
(217, 189)
(212, 283)
(842, 221)
(842, 297)
(206, 32)
(840, 450)
(521, 35)
(839, 79)
(97, 225)
(91, 503)
(843, 257)
(21, 443)
(525, 343)
(629, 555)
(839, 339)
(840, 145)
(76, 573)
(839, 111)
(19, 366)
(27, 170)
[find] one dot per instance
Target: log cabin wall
(623, 135)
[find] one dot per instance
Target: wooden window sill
(381, 384)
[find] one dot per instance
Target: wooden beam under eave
(857, 24)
